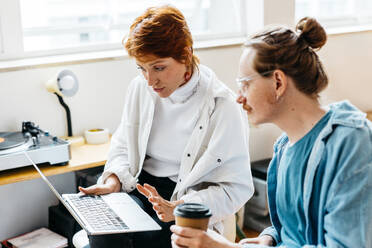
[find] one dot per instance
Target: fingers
(151, 189)
(158, 200)
(184, 236)
(142, 190)
(95, 190)
(249, 241)
(157, 208)
(184, 231)
(162, 217)
(174, 245)
(92, 190)
(147, 190)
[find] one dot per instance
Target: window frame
(10, 29)
(341, 23)
(11, 36)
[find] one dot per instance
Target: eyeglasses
(243, 82)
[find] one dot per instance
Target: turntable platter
(11, 139)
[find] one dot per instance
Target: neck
(298, 115)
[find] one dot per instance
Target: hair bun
(311, 32)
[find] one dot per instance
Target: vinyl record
(10, 140)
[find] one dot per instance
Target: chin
(163, 95)
(253, 120)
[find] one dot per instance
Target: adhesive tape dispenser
(96, 136)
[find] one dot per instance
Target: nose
(151, 79)
(241, 99)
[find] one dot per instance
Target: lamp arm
(68, 114)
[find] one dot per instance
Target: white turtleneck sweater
(174, 120)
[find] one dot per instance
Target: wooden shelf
(82, 157)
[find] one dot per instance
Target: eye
(159, 68)
(141, 68)
(245, 85)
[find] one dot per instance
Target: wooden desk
(369, 115)
(82, 157)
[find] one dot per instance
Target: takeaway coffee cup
(193, 215)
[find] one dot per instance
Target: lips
(158, 89)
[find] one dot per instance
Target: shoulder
(348, 126)
(348, 149)
(349, 139)
(216, 90)
(137, 84)
(227, 108)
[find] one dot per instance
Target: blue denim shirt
(345, 195)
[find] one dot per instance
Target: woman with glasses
(320, 178)
(182, 137)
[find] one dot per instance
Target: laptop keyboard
(98, 214)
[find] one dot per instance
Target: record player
(39, 145)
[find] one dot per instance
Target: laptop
(105, 214)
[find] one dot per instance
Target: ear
(188, 52)
(281, 83)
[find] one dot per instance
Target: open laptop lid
(134, 216)
(63, 201)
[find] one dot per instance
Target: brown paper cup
(192, 215)
(201, 224)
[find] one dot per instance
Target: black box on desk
(88, 177)
(61, 222)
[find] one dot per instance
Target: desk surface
(82, 157)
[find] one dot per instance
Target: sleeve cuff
(191, 198)
(127, 180)
(271, 232)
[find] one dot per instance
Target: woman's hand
(163, 208)
(195, 238)
(112, 184)
(262, 240)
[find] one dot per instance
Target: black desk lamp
(66, 84)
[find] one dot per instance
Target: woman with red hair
(182, 137)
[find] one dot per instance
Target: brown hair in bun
(292, 52)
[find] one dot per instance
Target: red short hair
(163, 32)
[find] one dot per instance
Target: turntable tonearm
(39, 145)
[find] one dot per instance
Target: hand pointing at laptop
(163, 208)
(111, 185)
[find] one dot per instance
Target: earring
(187, 76)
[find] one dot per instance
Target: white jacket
(215, 166)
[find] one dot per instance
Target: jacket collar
(214, 88)
(343, 113)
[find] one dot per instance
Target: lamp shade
(65, 83)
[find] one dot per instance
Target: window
(1, 41)
(336, 13)
(48, 27)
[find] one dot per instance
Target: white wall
(99, 101)
(348, 59)
(24, 205)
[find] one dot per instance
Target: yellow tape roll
(97, 136)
